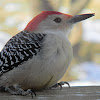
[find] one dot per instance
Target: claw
(60, 84)
(67, 84)
(19, 91)
(29, 91)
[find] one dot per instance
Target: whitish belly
(48, 71)
(40, 72)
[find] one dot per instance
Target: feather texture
(19, 49)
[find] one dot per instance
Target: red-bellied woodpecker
(37, 57)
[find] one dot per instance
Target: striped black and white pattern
(19, 49)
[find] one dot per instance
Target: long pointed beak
(78, 18)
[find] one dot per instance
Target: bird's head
(52, 21)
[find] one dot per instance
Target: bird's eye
(57, 20)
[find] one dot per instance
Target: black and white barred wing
(19, 49)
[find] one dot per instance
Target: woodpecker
(37, 57)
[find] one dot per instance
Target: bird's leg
(16, 90)
(11, 90)
(22, 92)
(60, 84)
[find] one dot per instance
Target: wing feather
(19, 49)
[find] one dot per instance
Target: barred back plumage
(19, 49)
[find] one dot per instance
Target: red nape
(32, 25)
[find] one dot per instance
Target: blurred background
(85, 36)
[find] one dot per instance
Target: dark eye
(57, 20)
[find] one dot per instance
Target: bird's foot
(19, 91)
(60, 84)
